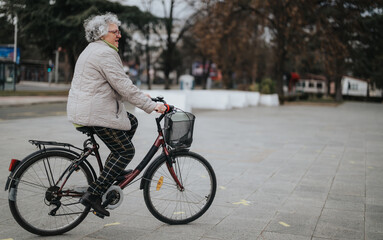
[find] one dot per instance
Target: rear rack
(42, 144)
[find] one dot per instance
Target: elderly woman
(98, 89)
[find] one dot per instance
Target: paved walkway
(290, 172)
(34, 86)
(26, 100)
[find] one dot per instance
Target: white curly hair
(97, 26)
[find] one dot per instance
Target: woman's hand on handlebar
(160, 108)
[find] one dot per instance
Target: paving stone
(340, 224)
(374, 222)
(374, 208)
(262, 211)
(348, 188)
(345, 202)
(293, 223)
(118, 232)
(302, 207)
(281, 236)
(236, 228)
(374, 236)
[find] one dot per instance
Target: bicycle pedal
(98, 214)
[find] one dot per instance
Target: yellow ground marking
(284, 224)
(178, 213)
(203, 176)
(112, 224)
(222, 187)
(352, 162)
(7, 239)
(370, 167)
(243, 202)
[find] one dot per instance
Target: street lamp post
(57, 64)
(15, 55)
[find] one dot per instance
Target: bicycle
(45, 187)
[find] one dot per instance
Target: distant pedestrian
(99, 87)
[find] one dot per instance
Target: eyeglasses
(115, 32)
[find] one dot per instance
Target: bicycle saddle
(85, 130)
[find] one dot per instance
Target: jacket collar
(110, 45)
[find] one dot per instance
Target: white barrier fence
(214, 99)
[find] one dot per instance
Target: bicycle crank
(113, 197)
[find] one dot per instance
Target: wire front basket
(179, 129)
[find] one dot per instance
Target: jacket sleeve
(111, 66)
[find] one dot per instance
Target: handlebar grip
(170, 108)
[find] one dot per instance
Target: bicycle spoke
(31, 184)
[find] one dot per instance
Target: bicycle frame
(159, 142)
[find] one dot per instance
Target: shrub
(254, 87)
(267, 86)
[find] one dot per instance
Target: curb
(13, 101)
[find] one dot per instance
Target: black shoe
(122, 175)
(93, 201)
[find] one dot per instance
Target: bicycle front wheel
(36, 201)
(172, 205)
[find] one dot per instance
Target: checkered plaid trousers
(122, 152)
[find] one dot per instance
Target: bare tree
(172, 38)
(228, 35)
(285, 20)
(146, 29)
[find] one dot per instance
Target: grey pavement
(288, 172)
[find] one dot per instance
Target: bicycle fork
(169, 165)
(160, 142)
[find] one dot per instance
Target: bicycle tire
(171, 205)
(31, 199)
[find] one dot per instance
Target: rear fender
(11, 180)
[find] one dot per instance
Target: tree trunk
(279, 70)
(167, 72)
(279, 87)
(206, 73)
(148, 63)
(338, 89)
(226, 81)
(72, 62)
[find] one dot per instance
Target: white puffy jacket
(99, 87)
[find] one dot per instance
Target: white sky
(182, 9)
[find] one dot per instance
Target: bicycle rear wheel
(172, 205)
(35, 200)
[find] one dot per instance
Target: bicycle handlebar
(169, 109)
